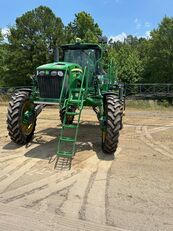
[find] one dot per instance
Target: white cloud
(5, 31)
(123, 35)
(136, 20)
(119, 37)
(147, 34)
(147, 24)
(138, 24)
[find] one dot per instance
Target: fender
(29, 90)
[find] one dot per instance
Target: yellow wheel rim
(26, 128)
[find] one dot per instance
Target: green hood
(58, 66)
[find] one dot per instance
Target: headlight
(41, 73)
(60, 73)
(53, 73)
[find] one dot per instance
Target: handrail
(65, 76)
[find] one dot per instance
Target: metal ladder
(67, 144)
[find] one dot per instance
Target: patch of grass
(149, 104)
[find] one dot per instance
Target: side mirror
(56, 54)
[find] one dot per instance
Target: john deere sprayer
(78, 80)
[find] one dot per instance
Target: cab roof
(81, 46)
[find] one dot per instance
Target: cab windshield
(83, 57)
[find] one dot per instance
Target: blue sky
(116, 18)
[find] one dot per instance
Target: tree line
(29, 43)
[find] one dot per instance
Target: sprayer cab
(86, 55)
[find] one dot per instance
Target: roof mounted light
(78, 40)
(103, 39)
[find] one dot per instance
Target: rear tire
(112, 111)
(69, 118)
(122, 111)
(19, 132)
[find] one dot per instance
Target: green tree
(144, 49)
(1, 37)
(126, 55)
(3, 57)
(130, 67)
(82, 27)
(160, 63)
(131, 40)
(36, 33)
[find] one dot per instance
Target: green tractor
(78, 80)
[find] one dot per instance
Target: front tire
(19, 131)
(112, 111)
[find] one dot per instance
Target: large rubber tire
(69, 118)
(19, 132)
(122, 111)
(123, 108)
(112, 111)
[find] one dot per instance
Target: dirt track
(133, 191)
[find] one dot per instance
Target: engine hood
(58, 66)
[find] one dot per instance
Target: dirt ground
(132, 190)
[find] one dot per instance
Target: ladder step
(64, 154)
(78, 90)
(67, 139)
(70, 126)
(74, 101)
(72, 113)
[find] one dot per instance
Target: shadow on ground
(89, 139)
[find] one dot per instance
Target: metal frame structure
(149, 91)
